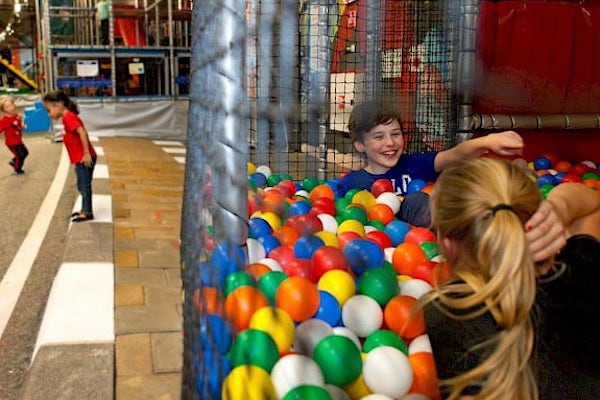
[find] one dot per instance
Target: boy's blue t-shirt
(408, 168)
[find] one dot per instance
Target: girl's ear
(450, 249)
(359, 146)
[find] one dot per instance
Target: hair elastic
(501, 206)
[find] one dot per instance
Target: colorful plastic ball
(387, 371)
(338, 283)
(306, 245)
(251, 168)
(343, 331)
(303, 392)
(258, 227)
(397, 231)
(547, 179)
(321, 191)
(272, 218)
(273, 264)
(352, 225)
(327, 258)
(335, 351)
(425, 379)
(273, 201)
(299, 297)
(381, 186)
(384, 337)
(210, 374)
(379, 284)
(259, 179)
(402, 316)
(308, 224)
(415, 288)
(381, 212)
(377, 396)
(269, 282)
(274, 179)
(418, 235)
(430, 249)
(277, 323)
(329, 222)
(328, 238)
(364, 198)
(256, 270)
(287, 187)
(248, 382)
(294, 370)
(308, 334)
(336, 393)
(406, 258)
(241, 304)
(571, 177)
(256, 250)
(346, 237)
(562, 166)
(300, 207)
(283, 255)
(253, 347)
(358, 389)
(380, 238)
(329, 309)
(545, 190)
(237, 279)
(354, 212)
(269, 243)
(391, 200)
(416, 185)
(420, 344)
(542, 163)
(362, 315)
(215, 333)
(286, 235)
(299, 267)
(208, 300)
(310, 183)
(362, 254)
(376, 225)
(323, 205)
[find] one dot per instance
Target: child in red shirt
(11, 124)
(77, 142)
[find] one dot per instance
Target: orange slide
(131, 31)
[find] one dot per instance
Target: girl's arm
(85, 142)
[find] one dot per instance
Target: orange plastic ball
(425, 379)
(402, 316)
(256, 270)
(380, 212)
(407, 257)
(272, 201)
(286, 235)
(299, 297)
(320, 191)
(563, 166)
(208, 300)
(242, 303)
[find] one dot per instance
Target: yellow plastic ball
(248, 382)
(251, 168)
(277, 323)
(330, 239)
(272, 219)
(352, 225)
(364, 198)
(340, 284)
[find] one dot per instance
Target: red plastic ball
(346, 237)
(381, 186)
(323, 205)
(327, 258)
(381, 238)
(283, 255)
(418, 235)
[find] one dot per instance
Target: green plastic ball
(430, 249)
(269, 282)
(236, 279)
(384, 337)
(304, 392)
(339, 359)
(378, 284)
(253, 347)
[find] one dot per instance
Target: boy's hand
(546, 233)
(507, 143)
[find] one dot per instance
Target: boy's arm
(507, 143)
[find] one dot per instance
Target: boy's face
(383, 146)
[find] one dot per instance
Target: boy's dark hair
(369, 114)
(58, 96)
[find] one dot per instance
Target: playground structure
(454, 68)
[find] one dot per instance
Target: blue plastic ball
(397, 230)
(299, 208)
(269, 242)
(306, 245)
(258, 227)
(329, 309)
(416, 185)
(547, 179)
(215, 333)
(259, 179)
(542, 163)
(363, 254)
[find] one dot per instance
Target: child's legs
(21, 153)
(13, 150)
(84, 186)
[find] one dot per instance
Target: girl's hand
(87, 160)
(546, 233)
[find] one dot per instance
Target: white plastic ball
(589, 163)
(388, 254)
(309, 333)
(271, 263)
(415, 396)
(336, 392)
(375, 396)
(362, 315)
(343, 331)
(256, 250)
(293, 370)
(265, 170)
(302, 193)
(414, 287)
(420, 344)
(390, 199)
(369, 228)
(387, 371)
(329, 222)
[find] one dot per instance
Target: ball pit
(329, 281)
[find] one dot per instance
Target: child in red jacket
(11, 124)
